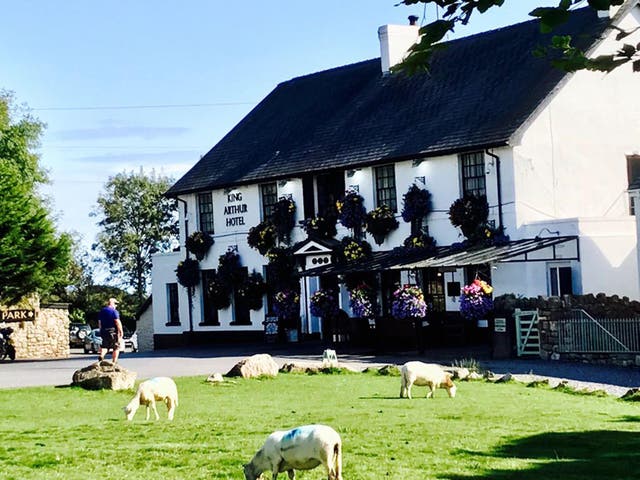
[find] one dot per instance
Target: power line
(142, 107)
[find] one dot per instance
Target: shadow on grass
(614, 455)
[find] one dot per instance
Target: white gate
(528, 336)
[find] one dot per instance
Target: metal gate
(579, 332)
(528, 336)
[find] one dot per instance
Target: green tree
(136, 221)
(33, 256)
(565, 56)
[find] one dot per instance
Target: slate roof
(480, 90)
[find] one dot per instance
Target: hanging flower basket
(230, 268)
(188, 273)
(416, 204)
(320, 227)
(282, 268)
(262, 237)
(408, 303)
(475, 300)
(252, 291)
(219, 293)
(324, 304)
(362, 301)
(380, 222)
(286, 304)
(351, 211)
(199, 244)
(470, 213)
(283, 218)
(420, 242)
(354, 250)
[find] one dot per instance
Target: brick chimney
(395, 41)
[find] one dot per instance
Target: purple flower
(408, 302)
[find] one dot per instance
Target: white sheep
(162, 389)
(425, 374)
(301, 448)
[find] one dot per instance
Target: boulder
(215, 377)
(255, 366)
(104, 375)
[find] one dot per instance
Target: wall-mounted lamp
(283, 182)
(352, 172)
(416, 162)
(420, 180)
(232, 248)
(228, 190)
(286, 196)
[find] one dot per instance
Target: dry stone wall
(43, 335)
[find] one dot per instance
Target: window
(241, 314)
(472, 171)
(269, 197)
(209, 312)
(560, 281)
(173, 317)
(205, 212)
(433, 285)
(633, 177)
(386, 187)
(330, 189)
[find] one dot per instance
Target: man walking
(110, 330)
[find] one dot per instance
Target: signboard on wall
(500, 324)
(235, 211)
(17, 315)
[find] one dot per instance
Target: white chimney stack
(395, 41)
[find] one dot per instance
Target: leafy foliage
(321, 226)
(380, 222)
(33, 256)
(570, 59)
(470, 213)
(351, 211)
(283, 219)
(136, 221)
(252, 290)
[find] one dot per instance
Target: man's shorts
(110, 339)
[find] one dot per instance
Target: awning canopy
(525, 250)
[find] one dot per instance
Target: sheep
(158, 388)
(301, 448)
(425, 374)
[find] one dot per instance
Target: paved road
(204, 361)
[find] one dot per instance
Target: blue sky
(125, 85)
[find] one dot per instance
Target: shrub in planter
(188, 273)
(262, 237)
(283, 218)
(282, 268)
(351, 211)
(380, 222)
(470, 213)
(199, 244)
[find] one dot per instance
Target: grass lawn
(489, 431)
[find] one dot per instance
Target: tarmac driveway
(207, 360)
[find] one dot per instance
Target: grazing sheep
(425, 374)
(162, 389)
(301, 448)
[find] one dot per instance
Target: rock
(461, 373)
(507, 377)
(215, 377)
(255, 366)
(297, 368)
(474, 376)
(104, 375)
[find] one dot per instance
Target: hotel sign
(17, 315)
(235, 210)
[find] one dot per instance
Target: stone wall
(144, 329)
(46, 336)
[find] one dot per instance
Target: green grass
(488, 431)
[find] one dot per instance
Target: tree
(137, 220)
(565, 56)
(33, 256)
